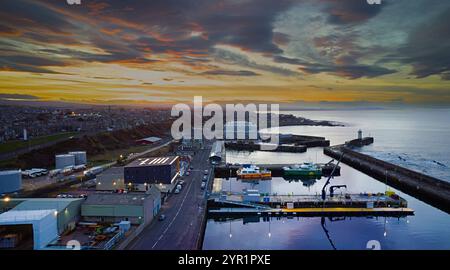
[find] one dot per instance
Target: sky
(166, 51)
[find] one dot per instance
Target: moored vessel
(253, 172)
(305, 169)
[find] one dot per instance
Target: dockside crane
(324, 192)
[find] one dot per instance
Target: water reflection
(294, 232)
(307, 181)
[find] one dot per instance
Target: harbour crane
(324, 192)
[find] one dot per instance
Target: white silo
(62, 161)
(80, 157)
(10, 181)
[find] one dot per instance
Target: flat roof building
(152, 170)
(10, 181)
(28, 229)
(138, 208)
(33, 223)
(148, 140)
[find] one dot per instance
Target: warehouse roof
(153, 161)
(46, 203)
(150, 139)
(10, 172)
(116, 199)
(21, 216)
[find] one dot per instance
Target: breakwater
(424, 187)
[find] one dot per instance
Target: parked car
(176, 191)
(181, 182)
(203, 185)
(162, 217)
(206, 172)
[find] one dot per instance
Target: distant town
(17, 122)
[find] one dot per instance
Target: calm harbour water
(417, 139)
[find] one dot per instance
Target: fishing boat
(305, 169)
(253, 172)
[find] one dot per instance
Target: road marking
(175, 217)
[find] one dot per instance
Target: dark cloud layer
(18, 97)
(428, 48)
(189, 32)
(230, 72)
(351, 11)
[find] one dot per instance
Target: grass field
(12, 146)
(112, 155)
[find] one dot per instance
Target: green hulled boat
(305, 169)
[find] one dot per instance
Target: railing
(116, 238)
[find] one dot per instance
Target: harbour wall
(424, 187)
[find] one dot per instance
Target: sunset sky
(138, 52)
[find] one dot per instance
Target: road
(184, 214)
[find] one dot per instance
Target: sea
(416, 138)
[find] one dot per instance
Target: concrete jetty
(260, 146)
(287, 143)
(217, 214)
(424, 187)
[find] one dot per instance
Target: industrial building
(10, 181)
(217, 155)
(148, 140)
(111, 179)
(74, 158)
(24, 220)
(154, 170)
(64, 160)
(80, 157)
(32, 229)
(138, 208)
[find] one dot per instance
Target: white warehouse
(41, 225)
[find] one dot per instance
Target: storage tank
(10, 181)
(62, 161)
(80, 157)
